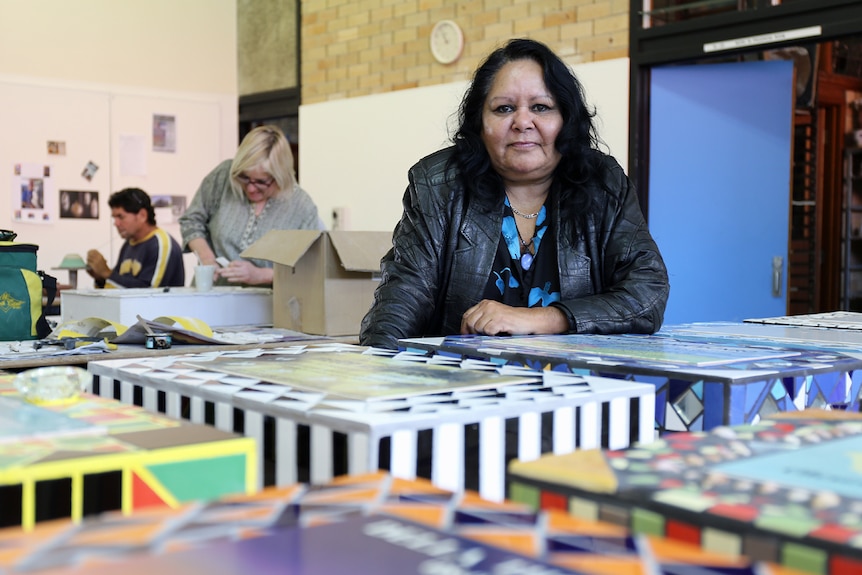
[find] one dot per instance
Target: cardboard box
(222, 306)
(323, 281)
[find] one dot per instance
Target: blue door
(719, 187)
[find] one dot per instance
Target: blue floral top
(517, 279)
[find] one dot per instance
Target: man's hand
(97, 266)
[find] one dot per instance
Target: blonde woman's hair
(265, 147)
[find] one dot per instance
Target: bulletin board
(64, 150)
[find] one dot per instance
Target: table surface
(431, 395)
(845, 320)
(721, 360)
(805, 337)
(28, 358)
(439, 411)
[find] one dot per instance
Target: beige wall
(177, 45)
(91, 74)
(355, 48)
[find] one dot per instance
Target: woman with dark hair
(523, 226)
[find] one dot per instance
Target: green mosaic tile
(202, 479)
(525, 494)
(805, 558)
(685, 499)
(788, 524)
(647, 522)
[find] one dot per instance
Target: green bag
(21, 290)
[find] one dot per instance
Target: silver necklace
(522, 214)
(519, 213)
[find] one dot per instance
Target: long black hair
(577, 141)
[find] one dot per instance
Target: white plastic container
(221, 306)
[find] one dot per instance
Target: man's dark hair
(133, 200)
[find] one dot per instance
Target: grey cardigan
(613, 281)
(228, 223)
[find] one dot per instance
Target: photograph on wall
(164, 133)
(168, 208)
(56, 148)
(32, 193)
(79, 205)
(89, 171)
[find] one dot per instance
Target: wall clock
(447, 41)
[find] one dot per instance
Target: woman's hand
(203, 251)
(490, 317)
(244, 272)
(238, 271)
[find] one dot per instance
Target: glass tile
(689, 406)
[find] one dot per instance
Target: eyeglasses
(259, 184)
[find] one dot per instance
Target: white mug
(204, 277)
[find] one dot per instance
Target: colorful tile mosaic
(145, 459)
(368, 524)
(786, 490)
(698, 384)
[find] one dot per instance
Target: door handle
(777, 269)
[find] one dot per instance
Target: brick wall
(355, 48)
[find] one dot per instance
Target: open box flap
(284, 247)
(361, 251)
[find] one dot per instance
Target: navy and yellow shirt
(156, 260)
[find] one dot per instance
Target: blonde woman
(241, 200)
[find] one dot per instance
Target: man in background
(150, 257)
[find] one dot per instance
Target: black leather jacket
(613, 281)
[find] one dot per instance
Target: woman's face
(520, 124)
(257, 184)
